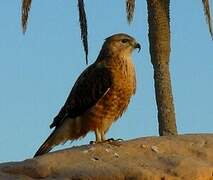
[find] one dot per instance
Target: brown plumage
(100, 95)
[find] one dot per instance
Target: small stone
(116, 155)
(107, 150)
(85, 151)
(155, 149)
(143, 146)
(95, 158)
(91, 149)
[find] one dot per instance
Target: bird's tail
(71, 129)
(48, 144)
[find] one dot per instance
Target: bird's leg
(103, 138)
(97, 137)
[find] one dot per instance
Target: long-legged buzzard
(100, 95)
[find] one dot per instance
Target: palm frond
(130, 8)
(26, 4)
(207, 12)
(83, 26)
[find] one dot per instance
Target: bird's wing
(92, 84)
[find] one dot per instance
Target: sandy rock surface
(188, 157)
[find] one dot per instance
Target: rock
(188, 157)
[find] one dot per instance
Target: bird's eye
(124, 40)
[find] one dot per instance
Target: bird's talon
(92, 142)
(95, 142)
(110, 140)
(114, 140)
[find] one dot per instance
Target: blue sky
(38, 70)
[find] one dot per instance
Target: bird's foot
(95, 142)
(110, 140)
(113, 140)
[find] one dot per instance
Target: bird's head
(121, 43)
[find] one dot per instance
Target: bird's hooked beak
(137, 45)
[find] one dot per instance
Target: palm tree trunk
(159, 39)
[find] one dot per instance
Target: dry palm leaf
(83, 26)
(25, 10)
(207, 12)
(130, 7)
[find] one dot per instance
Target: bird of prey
(99, 96)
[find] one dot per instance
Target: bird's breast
(123, 86)
(124, 77)
(112, 105)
